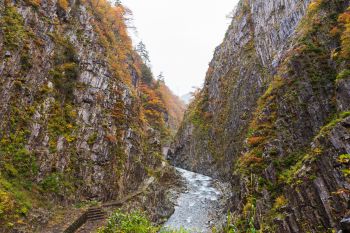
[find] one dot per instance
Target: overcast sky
(181, 36)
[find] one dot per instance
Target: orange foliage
(153, 105)
(345, 17)
(254, 141)
(63, 4)
(112, 30)
(34, 3)
(344, 20)
(118, 113)
(250, 159)
(173, 105)
(335, 31)
(111, 26)
(111, 138)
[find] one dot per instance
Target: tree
(142, 51)
(147, 75)
(160, 77)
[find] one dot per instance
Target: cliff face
(75, 122)
(252, 48)
(273, 116)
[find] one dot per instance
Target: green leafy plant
(134, 222)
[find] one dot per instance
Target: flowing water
(199, 206)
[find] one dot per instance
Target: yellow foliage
(344, 20)
(35, 3)
(6, 203)
(113, 35)
(249, 206)
(315, 5)
(280, 202)
(63, 4)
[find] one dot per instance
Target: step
(95, 215)
(96, 218)
(95, 211)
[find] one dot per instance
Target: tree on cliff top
(142, 51)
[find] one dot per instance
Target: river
(201, 206)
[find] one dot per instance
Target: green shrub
(134, 222)
(12, 27)
(26, 62)
(52, 183)
(344, 158)
(65, 77)
(66, 70)
(14, 201)
(343, 74)
(92, 139)
(57, 183)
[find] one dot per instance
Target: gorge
(83, 123)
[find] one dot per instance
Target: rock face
(253, 47)
(273, 116)
(73, 125)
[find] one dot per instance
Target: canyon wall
(273, 116)
(79, 121)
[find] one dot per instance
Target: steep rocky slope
(78, 120)
(175, 107)
(252, 48)
(273, 116)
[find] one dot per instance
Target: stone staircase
(95, 214)
(98, 213)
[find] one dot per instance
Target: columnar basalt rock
(72, 110)
(240, 72)
(272, 117)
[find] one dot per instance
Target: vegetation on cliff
(79, 120)
(280, 128)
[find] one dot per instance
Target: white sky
(181, 36)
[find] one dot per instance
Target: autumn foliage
(110, 24)
(173, 104)
(254, 141)
(158, 104)
(153, 106)
(344, 20)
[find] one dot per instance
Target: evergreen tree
(160, 77)
(147, 75)
(142, 51)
